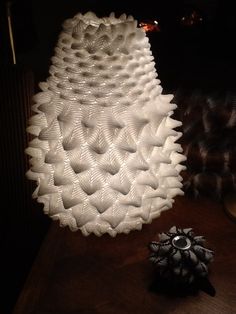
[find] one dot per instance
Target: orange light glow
(150, 26)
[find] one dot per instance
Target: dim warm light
(150, 26)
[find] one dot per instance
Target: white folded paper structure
(104, 151)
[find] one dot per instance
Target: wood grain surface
(76, 274)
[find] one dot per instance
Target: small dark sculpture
(180, 256)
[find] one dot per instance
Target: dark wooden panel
(74, 274)
(16, 90)
(22, 223)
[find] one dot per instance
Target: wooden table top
(76, 274)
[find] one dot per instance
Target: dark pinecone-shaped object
(180, 256)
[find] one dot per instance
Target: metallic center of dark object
(181, 242)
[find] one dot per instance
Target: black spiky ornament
(180, 255)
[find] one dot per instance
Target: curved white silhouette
(104, 155)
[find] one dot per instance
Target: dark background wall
(38, 23)
(202, 56)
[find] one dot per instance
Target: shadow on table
(163, 286)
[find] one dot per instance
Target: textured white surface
(104, 154)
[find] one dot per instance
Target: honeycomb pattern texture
(104, 151)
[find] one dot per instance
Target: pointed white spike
(171, 123)
(166, 98)
(43, 86)
(130, 18)
(45, 189)
(155, 194)
(34, 152)
(166, 170)
(174, 183)
(149, 179)
(84, 213)
(90, 15)
(34, 130)
(123, 17)
(174, 192)
(114, 216)
(180, 168)
(177, 158)
(43, 97)
(52, 132)
(38, 120)
(120, 184)
(101, 29)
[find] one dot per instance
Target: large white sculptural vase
(104, 152)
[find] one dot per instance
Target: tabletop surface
(76, 274)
